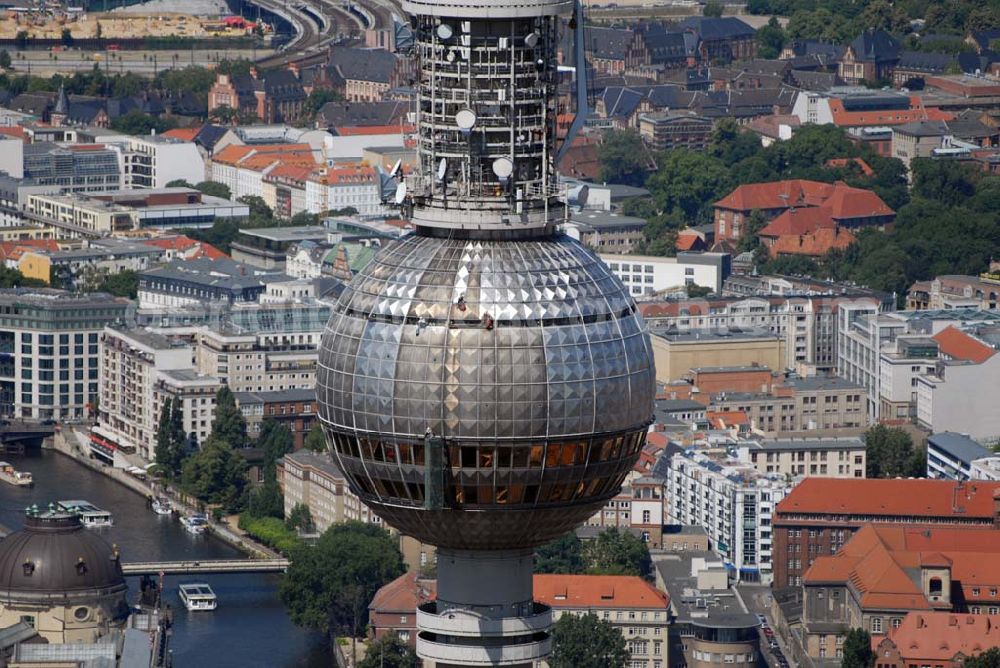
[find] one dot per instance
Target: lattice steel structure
(485, 383)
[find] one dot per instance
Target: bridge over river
(205, 566)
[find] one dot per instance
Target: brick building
(885, 572)
(394, 608)
(938, 639)
(294, 408)
(821, 514)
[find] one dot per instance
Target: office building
(842, 457)
(733, 501)
(646, 275)
(313, 480)
(677, 352)
(49, 359)
(295, 409)
(200, 282)
(951, 456)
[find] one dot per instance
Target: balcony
(465, 623)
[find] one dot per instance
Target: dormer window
(29, 567)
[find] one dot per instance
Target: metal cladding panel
(526, 356)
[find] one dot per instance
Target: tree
(138, 123)
(258, 208)
(328, 585)
(123, 284)
(318, 98)
(616, 552)
(215, 474)
(713, 8)
(215, 189)
(12, 278)
(695, 291)
(857, 649)
(587, 642)
(390, 652)
(622, 157)
(988, 659)
(266, 500)
(229, 426)
(690, 182)
(179, 183)
(770, 39)
(300, 519)
(563, 555)
(755, 223)
(315, 439)
(275, 440)
(164, 447)
(66, 38)
(890, 453)
(5, 61)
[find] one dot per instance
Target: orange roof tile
(657, 438)
(775, 195)
(235, 155)
(686, 242)
(185, 134)
(813, 244)
(598, 591)
(847, 202)
(844, 162)
(403, 594)
(12, 249)
(925, 637)
(958, 345)
(891, 498)
(725, 419)
(354, 131)
(15, 131)
(916, 112)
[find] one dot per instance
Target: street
(757, 599)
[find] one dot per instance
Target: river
(249, 628)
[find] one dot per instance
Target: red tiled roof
(598, 591)
(184, 134)
(723, 419)
(15, 131)
(813, 244)
(195, 249)
(961, 346)
(916, 112)
(11, 249)
(844, 162)
(355, 131)
(798, 221)
(894, 498)
(847, 202)
(403, 594)
(842, 200)
(924, 637)
(686, 242)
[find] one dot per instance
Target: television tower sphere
(485, 383)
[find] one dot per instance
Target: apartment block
(254, 361)
(296, 409)
(313, 480)
(644, 275)
(842, 457)
(639, 506)
(951, 456)
(49, 351)
(733, 502)
(141, 369)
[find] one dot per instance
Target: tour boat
(17, 478)
(198, 596)
(161, 506)
(195, 524)
(90, 515)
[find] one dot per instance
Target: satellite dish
(451, 56)
(395, 169)
(442, 168)
(503, 168)
(466, 119)
(444, 31)
(531, 39)
(578, 196)
(400, 192)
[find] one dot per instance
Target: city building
(967, 360)
(951, 456)
(837, 206)
(313, 480)
(489, 352)
(735, 504)
(200, 282)
(871, 57)
(153, 161)
(798, 405)
(639, 507)
(867, 115)
(709, 625)
(242, 168)
(278, 359)
(986, 468)
(267, 247)
(276, 96)
(677, 352)
(687, 538)
(901, 362)
(606, 231)
(836, 457)
(639, 611)
(882, 573)
(820, 514)
(49, 359)
(70, 168)
(945, 292)
(349, 186)
(645, 274)
(668, 131)
(294, 408)
(935, 638)
(393, 610)
(133, 391)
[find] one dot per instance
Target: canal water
(249, 628)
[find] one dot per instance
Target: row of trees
(891, 453)
(613, 552)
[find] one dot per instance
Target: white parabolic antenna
(531, 39)
(442, 168)
(400, 192)
(395, 169)
(503, 168)
(466, 119)
(444, 31)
